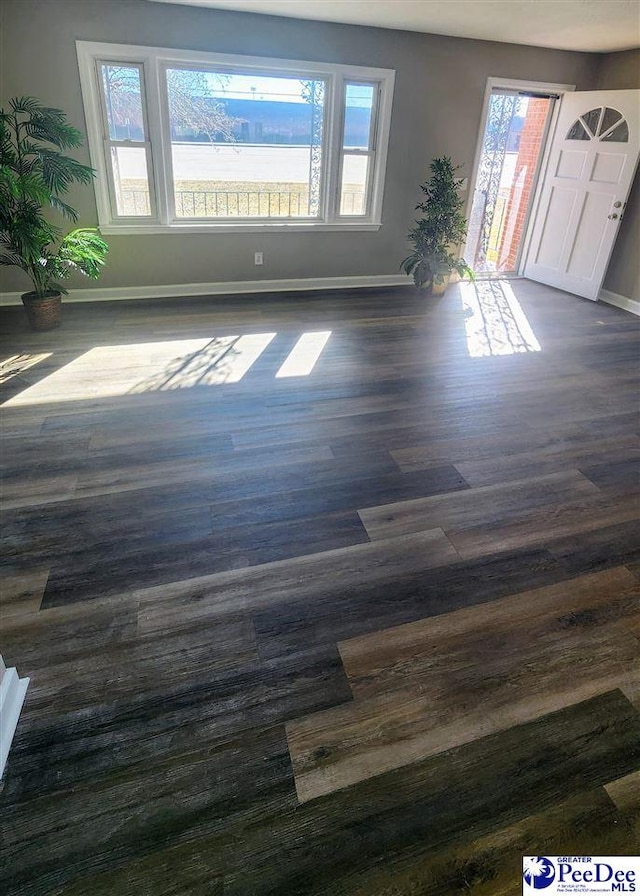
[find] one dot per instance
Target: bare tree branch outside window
(194, 110)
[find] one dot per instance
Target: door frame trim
(493, 83)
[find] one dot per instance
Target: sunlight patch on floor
(494, 321)
(304, 355)
(17, 364)
(225, 359)
(116, 370)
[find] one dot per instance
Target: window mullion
(149, 141)
(161, 163)
(334, 165)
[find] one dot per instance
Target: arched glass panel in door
(603, 123)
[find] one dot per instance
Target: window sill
(129, 229)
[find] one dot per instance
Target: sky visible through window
(289, 90)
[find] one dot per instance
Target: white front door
(592, 160)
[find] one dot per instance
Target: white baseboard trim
(612, 298)
(122, 293)
(12, 693)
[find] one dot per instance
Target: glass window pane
(123, 102)
(620, 134)
(577, 132)
(609, 119)
(353, 189)
(358, 116)
(592, 118)
(245, 146)
(131, 180)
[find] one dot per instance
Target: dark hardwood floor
(370, 630)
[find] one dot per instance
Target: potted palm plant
(437, 236)
(34, 176)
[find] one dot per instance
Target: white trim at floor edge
(233, 287)
(612, 298)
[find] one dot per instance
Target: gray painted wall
(621, 71)
(437, 107)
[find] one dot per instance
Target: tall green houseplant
(437, 236)
(34, 176)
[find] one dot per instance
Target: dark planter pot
(43, 312)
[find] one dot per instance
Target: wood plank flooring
(422, 688)
(371, 630)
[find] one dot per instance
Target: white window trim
(153, 61)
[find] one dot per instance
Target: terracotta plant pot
(43, 312)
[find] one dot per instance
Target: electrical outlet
(258, 258)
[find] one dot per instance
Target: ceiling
(599, 26)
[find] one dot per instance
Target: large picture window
(185, 140)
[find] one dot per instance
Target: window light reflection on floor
(303, 356)
(17, 364)
(494, 321)
(224, 359)
(116, 370)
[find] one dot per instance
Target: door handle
(612, 217)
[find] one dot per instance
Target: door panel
(592, 161)
(553, 237)
(608, 168)
(582, 260)
(571, 164)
